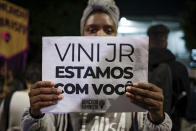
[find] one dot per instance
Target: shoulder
(163, 67)
(161, 70)
(178, 66)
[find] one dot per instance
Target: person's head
(158, 36)
(100, 18)
(33, 73)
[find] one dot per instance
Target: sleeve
(2, 118)
(46, 123)
(161, 76)
(1, 108)
(166, 125)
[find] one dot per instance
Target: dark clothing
(180, 82)
(179, 72)
(15, 85)
(180, 79)
(160, 74)
(160, 55)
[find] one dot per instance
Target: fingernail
(127, 94)
(60, 97)
(52, 83)
(59, 91)
(135, 84)
(128, 88)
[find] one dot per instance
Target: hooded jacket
(160, 73)
(158, 56)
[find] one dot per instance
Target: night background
(62, 17)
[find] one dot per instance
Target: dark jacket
(180, 83)
(160, 74)
(180, 79)
(159, 55)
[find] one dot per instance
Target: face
(99, 24)
(162, 42)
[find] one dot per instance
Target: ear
(165, 44)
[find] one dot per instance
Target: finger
(140, 105)
(38, 98)
(143, 100)
(40, 84)
(145, 103)
(39, 91)
(145, 106)
(40, 105)
(147, 86)
(145, 93)
(133, 100)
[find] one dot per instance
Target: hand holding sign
(42, 95)
(148, 96)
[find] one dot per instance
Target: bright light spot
(193, 54)
(125, 22)
(126, 30)
(130, 29)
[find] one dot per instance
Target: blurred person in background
(12, 107)
(159, 54)
(100, 18)
(8, 81)
(159, 72)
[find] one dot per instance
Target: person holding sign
(100, 18)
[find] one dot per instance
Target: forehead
(99, 19)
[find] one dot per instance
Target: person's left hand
(149, 97)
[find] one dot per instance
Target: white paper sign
(92, 71)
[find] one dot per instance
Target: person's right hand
(42, 95)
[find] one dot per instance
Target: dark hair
(33, 73)
(2, 62)
(158, 35)
(158, 30)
